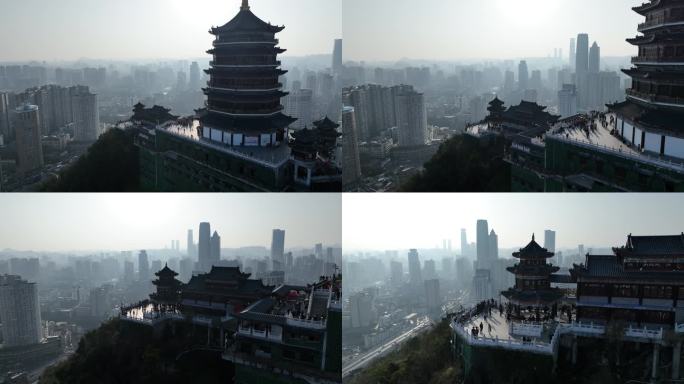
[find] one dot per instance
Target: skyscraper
(464, 243)
(29, 148)
(192, 248)
(337, 57)
(194, 83)
(550, 240)
(582, 58)
(86, 114)
(351, 161)
(411, 116)
(143, 267)
(397, 270)
(204, 247)
(482, 244)
(19, 311)
(299, 104)
(573, 51)
(523, 76)
(493, 245)
(278, 249)
(415, 273)
(215, 252)
(594, 58)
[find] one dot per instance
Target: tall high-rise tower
(337, 57)
(582, 58)
(493, 245)
(215, 252)
(573, 47)
(19, 311)
(550, 240)
(278, 249)
(143, 267)
(192, 248)
(523, 76)
(464, 243)
(482, 244)
(29, 148)
(204, 247)
(351, 160)
(594, 58)
(415, 272)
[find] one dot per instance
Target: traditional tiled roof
(226, 274)
(533, 250)
(655, 245)
(609, 266)
(166, 271)
(246, 21)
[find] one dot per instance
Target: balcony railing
(644, 333)
(657, 59)
(526, 329)
(659, 21)
(651, 97)
(314, 324)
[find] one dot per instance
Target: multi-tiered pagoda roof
(533, 277)
(244, 92)
(657, 75)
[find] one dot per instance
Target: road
(423, 325)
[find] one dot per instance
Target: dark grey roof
(658, 245)
(608, 266)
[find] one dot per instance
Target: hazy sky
(125, 29)
(137, 221)
(403, 221)
(466, 29)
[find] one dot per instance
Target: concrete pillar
(656, 360)
(676, 360)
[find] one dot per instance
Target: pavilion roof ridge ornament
(245, 5)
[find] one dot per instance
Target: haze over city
(127, 29)
(477, 29)
(120, 222)
(384, 222)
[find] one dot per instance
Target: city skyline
(505, 29)
(127, 222)
(421, 223)
(57, 29)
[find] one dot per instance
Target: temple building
(168, 287)
(641, 283)
(533, 278)
(632, 298)
(240, 141)
(221, 293)
(295, 332)
(650, 118)
(272, 334)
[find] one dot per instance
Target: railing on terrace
(644, 333)
(534, 347)
(643, 157)
(315, 324)
(526, 329)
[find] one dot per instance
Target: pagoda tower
(168, 287)
(243, 107)
(651, 117)
(496, 109)
(533, 278)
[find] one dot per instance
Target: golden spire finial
(245, 5)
